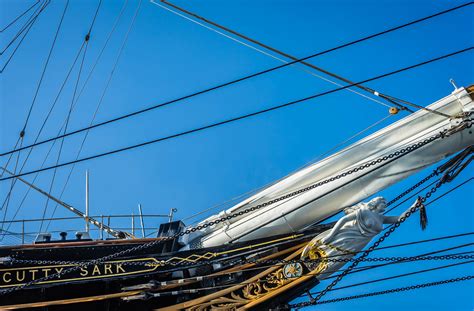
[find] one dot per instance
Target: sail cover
(312, 206)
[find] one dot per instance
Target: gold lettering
(46, 272)
(5, 279)
(84, 271)
(108, 268)
(59, 270)
(33, 273)
(22, 278)
(119, 267)
(96, 270)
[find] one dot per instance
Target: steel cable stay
(451, 171)
(151, 294)
(279, 59)
(19, 16)
(392, 291)
(16, 49)
(151, 286)
(99, 103)
(137, 294)
(271, 263)
(2, 235)
(376, 266)
(1, 71)
(57, 98)
(399, 276)
(260, 73)
(393, 100)
(31, 20)
(71, 106)
(61, 143)
(389, 158)
(4, 207)
(417, 206)
(52, 106)
(24, 32)
(218, 123)
(435, 199)
(43, 125)
(314, 160)
(76, 98)
(43, 72)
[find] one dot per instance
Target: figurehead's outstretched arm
(394, 219)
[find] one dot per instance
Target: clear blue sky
(167, 57)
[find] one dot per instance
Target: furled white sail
(315, 205)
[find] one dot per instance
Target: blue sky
(168, 57)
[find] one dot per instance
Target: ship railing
(25, 231)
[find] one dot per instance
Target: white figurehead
(349, 235)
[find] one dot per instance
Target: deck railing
(25, 230)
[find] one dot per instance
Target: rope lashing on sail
(388, 158)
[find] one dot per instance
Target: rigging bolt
(87, 37)
(393, 110)
(22, 133)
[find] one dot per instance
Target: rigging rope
(43, 125)
(84, 44)
(28, 26)
(272, 56)
(19, 16)
(319, 157)
(29, 23)
(221, 122)
(153, 284)
(22, 134)
(55, 101)
(260, 73)
(391, 99)
(446, 178)
(103, 92)
(86, 39)
(45, 66)
(399, 276)
(147, 295)
(388, 158)
(388, 291)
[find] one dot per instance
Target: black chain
(253, 261)
(412, 210)
(391, 156)
(418, 184)
(388, 291)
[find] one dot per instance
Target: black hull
(120, 275)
